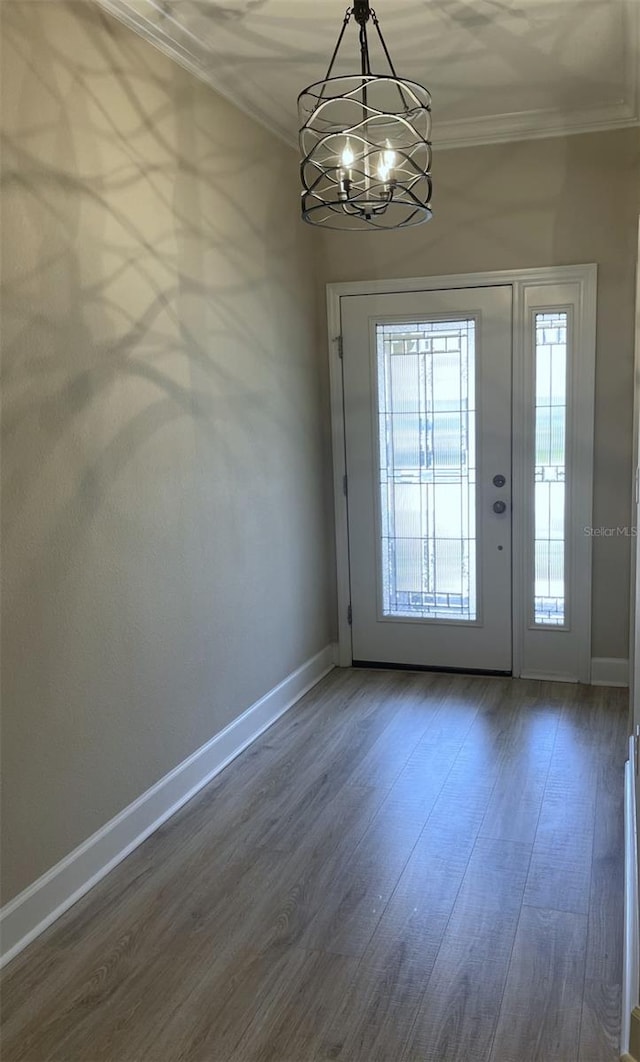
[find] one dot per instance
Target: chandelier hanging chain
(365, 62)
(361, 12)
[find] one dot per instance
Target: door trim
(585, 277)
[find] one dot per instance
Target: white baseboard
(33, 910)
(631, 960)
(609, 671)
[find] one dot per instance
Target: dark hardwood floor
(405, 868)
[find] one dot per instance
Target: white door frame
(521, 280)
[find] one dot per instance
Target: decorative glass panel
(426, 410)
(549, 473)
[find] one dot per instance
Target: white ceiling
(497, 69)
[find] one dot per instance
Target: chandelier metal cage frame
(365, 143)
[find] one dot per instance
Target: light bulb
(389, 157)
(348, 158)
(383, 170)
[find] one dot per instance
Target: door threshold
(384, 665)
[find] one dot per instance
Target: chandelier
(364, 140)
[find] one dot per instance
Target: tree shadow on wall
(149, 293)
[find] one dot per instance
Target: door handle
(499, 507)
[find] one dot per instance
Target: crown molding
(186, 49)
(534, 125)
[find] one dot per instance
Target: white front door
(427, 405)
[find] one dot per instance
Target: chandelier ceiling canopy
(365, 143)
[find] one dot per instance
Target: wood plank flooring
(405, 867)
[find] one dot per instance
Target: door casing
(522, 282)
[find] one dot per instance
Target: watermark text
(611, 532)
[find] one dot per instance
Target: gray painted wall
(164, 540)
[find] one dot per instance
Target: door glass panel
(427, 447)
(549, 472)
